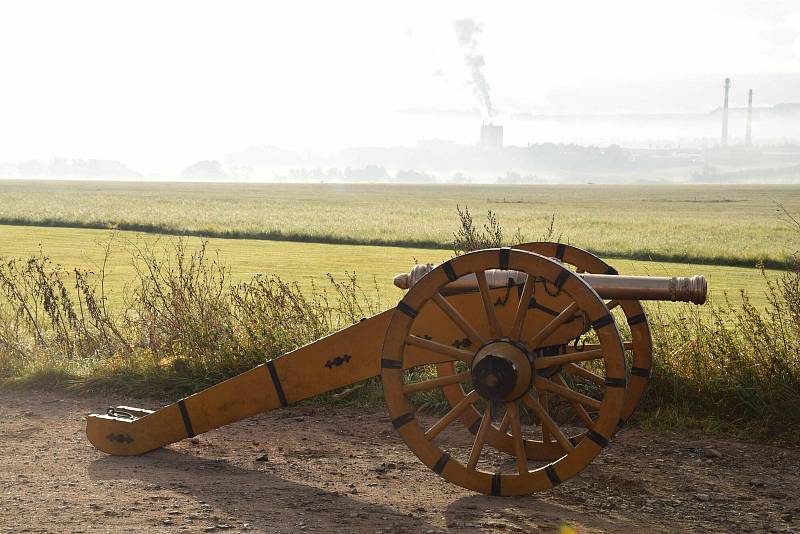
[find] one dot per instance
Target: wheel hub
(501, 371)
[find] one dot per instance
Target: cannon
(536, 355)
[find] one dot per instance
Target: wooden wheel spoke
(543, 362)
(516, 437)
(480, 437)
(567, 393)
(577, 370)
(458, 319)
(544, 401)
(522, 309)
(504, 423)
(433, 383)
(435, 346)
(488, 306)
(547, 422)
(551, 327)
(583, 415)
(451, 416)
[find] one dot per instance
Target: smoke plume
(466, 32)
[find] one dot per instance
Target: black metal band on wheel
(504, 254)
(402, 420)
(448, 270)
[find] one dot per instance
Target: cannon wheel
(503, 371)
(640, 348)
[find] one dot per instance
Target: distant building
(491, 136)
(725, 113)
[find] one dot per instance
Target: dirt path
(342, 470)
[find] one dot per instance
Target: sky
(163, 84)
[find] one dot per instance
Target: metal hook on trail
(115, 413)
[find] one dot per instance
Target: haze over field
(251, 91)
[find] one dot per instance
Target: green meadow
(722, 225)
(305, 263)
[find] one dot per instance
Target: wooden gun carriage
(541, 353)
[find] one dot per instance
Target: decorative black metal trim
(636, 319)
(119, 438)
(562, 278)
(187, 423)
(640, 371)
(603, 321)
(408, 310)
(337, 361)
(496, 485)
(447, 267)
(277, 383)
(502, 301)
(615, 382)
(536, 306)
(552, 475)
(505, 252)
(597, 438)
(551, 350)
(458, 343)
(560, 249)
(391, 364)
(402, 420)
(441, 463)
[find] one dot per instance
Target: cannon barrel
(618, 287)
(677, 289)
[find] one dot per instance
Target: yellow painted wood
(302, 373)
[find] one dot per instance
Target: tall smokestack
(747, 140)
(725, 113)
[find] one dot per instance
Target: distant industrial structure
(725, 113)
(747, 139)
(491, 136)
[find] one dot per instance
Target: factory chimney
(725, 113)
(747, 139)
(491, 136)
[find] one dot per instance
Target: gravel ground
(307, 469)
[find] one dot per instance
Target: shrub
(184, 326)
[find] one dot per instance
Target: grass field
(303, 262)
(723, 225)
